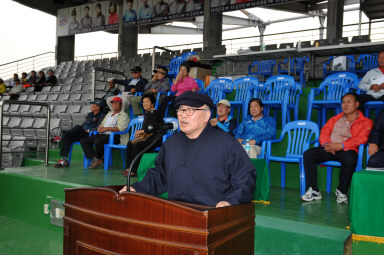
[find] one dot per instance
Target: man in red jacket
(340, 139)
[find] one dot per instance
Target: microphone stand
(158, 136)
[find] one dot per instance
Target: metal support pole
(93, 84)
(153, 58)
(1, 135)
(360, 17)
(47, 133)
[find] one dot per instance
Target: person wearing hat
(256, 128)
(134, 84)
(159, 83)
(144, 137)
(115, 121)
(201, 164)
(224, 120)
(112, 89)
(92, 121)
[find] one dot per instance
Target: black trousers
(136, 148)
(164, 103)
(366, 98)
(377, 159)
(315, 156)
(98, 140)
(73, 135)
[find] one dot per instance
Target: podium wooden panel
(100, 221)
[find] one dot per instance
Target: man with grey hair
(373, 84)
(201, 164)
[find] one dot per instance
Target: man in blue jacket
(134, 84)
(224, 121)
(201, 164)
(376, 143)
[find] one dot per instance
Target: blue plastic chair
(218, 88)
(263, 68)
(86, 161)
(282, 93)
(169, 132)
(174, 66)
(244, 88)
(301, 134)
(201, 85)
(333, 88)
(187, 55)
(134, 125)
(365, 63)
(331, 164)
(327, 68)
(373, 106)
(295, 68)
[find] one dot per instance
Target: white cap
(224, 102)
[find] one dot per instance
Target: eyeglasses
(160, 72)
(188, 111)
(135, 72)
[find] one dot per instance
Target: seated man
(256, 128)
(115, 121)
(32, 79)
(135, 84)
(13, 81)
(224, 120)
(339, 139)
(373, 84)
(159, 83)
(51, 79)
(15, 91)
(112, 89)
(92, 122)
(200, 164)
(376, 143)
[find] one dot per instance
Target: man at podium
(200, 164)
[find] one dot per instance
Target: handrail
(47, 126)
(48, 52)
(154, 54)
(95, 69)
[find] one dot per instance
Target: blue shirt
(145, 12)
(259, 130)
(129, 15)
(228, 125)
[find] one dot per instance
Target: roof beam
(168, 29)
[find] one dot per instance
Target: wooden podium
(101, 221)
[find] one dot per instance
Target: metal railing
(47, 127)
(94, 78)
(154, 54)
(36, 62)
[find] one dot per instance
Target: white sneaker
(341, 198)
(311, 195)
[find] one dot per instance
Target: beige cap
(224, 102)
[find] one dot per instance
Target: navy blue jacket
(140, 85)
(206, 170)
(92, 122)
(377, 133)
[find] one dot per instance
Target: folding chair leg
(107, 152)
(302, 178)
(329, 179)
(86, 162)
(70, 155)
(323, 116)
(123, 158)
(283, 170)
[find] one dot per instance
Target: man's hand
(133, 90)
(222, 204)
(240, 140)
(124, 189)
(102, 129)
(87, 130)
(375, 87)
(373, 148)
(333, 147)
(139, 133)
(154, 78)
(252, 142)
(153, 91)
(213, 122)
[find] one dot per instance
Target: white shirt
(111, 121)
(366, 83)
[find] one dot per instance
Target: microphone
(163, 127)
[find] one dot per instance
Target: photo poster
(232, 5)
(130, 12)
(63, 20)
